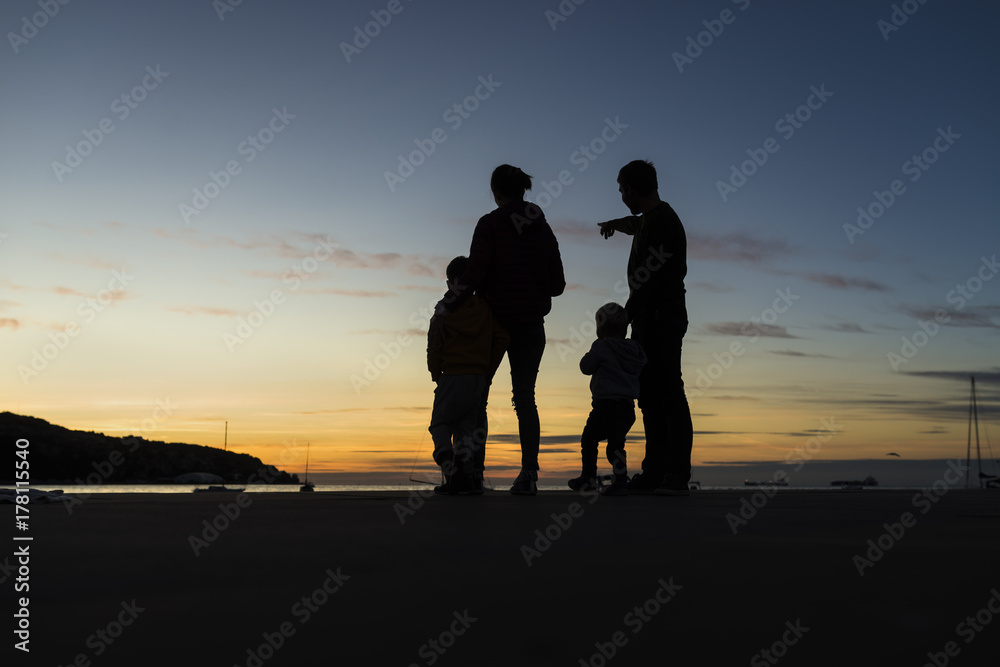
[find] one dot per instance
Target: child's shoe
(618, 487)
(584, 483)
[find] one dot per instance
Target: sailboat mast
(975, 418)
(968, 442)
(225, 439)
(307, 461)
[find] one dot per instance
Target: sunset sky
(245, 215)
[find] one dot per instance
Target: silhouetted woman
(514, 264)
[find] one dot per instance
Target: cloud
(712, 288)
(844, 282)
(390, 332)
(10, 323)
(302, 245)
(64, 291)
(349, 292)
(206, 310)
(514, 438)
(796, 353)
(89, 262)
(737, 247)
(845, 327)
(982, 377)
(973, 316)
(748, 329)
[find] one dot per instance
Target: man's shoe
(461, 485)
(584, 483)
(526, 483)
(673, 485)
(477, 484)
(644, 483)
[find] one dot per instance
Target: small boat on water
(219, 488)
(308, 487)
(855, 483)
(986, 480)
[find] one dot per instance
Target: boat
(308, 487)
(855, 483)
(985, 481)
(220, 488)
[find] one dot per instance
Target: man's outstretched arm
(628, 225)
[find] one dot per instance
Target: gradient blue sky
(161, 336)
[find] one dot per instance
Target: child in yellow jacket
(464, 349)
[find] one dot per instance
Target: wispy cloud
(738, 247)
(971, 316)
(982, 376)
(67, 291)
(88, 262)
(844, 282)
(206, 310)
(9, 323)
(796, 353)
(348, 292)
(711, 288)
(299, 245)
(389, 332)
(748, 329)
(845, 327)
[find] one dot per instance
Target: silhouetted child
(614, 363)
(464, 348)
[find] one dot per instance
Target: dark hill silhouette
(59, 455)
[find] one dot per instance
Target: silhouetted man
(656, 269)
